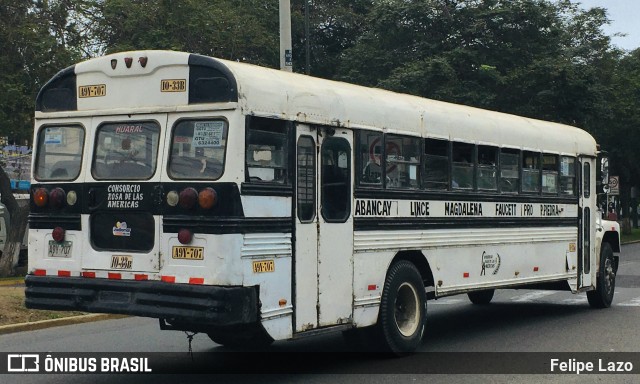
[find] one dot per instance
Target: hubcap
(407, 310)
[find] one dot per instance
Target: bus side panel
(369, 273)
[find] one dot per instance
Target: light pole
(286, 55)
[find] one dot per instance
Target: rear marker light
(141, 277)
(188, 198)
(64, 273)
(185, 236)
(372, 287)
(207, 198)
(58, 234)
(535, 269)
(196, 280)
(40, 197)
(114, 276)
(40, 272)
(168, 279)
(89, 275)
(465, 275)
(57, 198)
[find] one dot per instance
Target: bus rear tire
(481, 297)
(602, 296)
(403, 309)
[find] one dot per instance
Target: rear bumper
(206, 305)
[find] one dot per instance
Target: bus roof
(268, 92)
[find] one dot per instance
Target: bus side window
(267, 150)
(549, 174)
(487, 171)
(436, 164)
(567, 176)
(370, 157)
(531, 172)
(402, 162)
(509, 170)
(463, 166)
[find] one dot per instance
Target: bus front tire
(403, 309)
(602, 296)
(481, 297)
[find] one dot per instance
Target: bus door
(122, 202)
(586, 227)
(323, 227)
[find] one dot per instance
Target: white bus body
(330, 201)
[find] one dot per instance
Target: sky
(624, 16)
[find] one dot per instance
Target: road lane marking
(447, 301)
(631, 303)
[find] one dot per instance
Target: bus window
(306, 179)
(530, 172)
(198, 149)
(336, 180)
(463, 166)
(567, 176)
(549, 174)
(267, 150)
(126, 150)
(370, 148)
(487, 171)
(59, 153)
(402, 162)
(436, 164)
(509, 170)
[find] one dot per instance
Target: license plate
(98, 90)
(59, 249)
(264, 266)
(121, 262)
(173, 85)
(191, 253)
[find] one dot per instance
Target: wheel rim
(407, 310)
(609, 276)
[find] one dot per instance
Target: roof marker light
(114, 64)
(128, 61)
(143, 61)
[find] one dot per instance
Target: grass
(634, 236)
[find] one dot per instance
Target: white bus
(256, 205)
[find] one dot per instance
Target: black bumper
(202, 304)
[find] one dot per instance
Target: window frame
(38, 158)
(288, 161)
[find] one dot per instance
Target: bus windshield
(126, 150)
(197, 149)
(59, 153)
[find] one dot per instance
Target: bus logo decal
(121, 229)
(490, 262)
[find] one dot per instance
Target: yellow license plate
(121, 262)
(264, 266)
(190, 253)
(98, 90)
(173, 85)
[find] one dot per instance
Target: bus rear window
(126, 150)
(59, 153)
(197, 149)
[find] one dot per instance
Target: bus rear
(136, 207)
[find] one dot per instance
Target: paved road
(516, 321)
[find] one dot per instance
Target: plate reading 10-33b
(173, 85)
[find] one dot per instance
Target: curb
(42, 324)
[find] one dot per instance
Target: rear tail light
(185, 236)
(40, 197)
(188, 198)
(207, 198)
(57, 198)
(58, 234)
